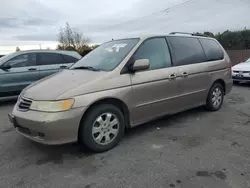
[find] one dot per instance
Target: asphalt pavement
(192, 149)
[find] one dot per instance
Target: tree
(17, 49)
(94, 46)
(208, 34)
(71, 39)
(231, 40)
(234, 40)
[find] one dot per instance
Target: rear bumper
(48, 128)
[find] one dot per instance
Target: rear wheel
(102, 128)
(215, 97)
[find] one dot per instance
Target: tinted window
(212, 50)
(24, 60)
(186, 50)
(69, 59)
(50, 59)
(107, 56)
(156, 51)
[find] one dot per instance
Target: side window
(186, 50)
(156, 51)
(24, 60)
(69, 59)
(212, 50)
(50, 59)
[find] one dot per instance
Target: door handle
(184, 74)
(32, 69)
(172, 76)
(63, 67)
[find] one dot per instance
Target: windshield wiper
(87, 68)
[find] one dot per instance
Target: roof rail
(173, 33)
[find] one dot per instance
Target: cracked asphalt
(192, 149)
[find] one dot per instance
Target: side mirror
(6, 67)
(140, 64)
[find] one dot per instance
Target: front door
(155, 91)
(22, 72)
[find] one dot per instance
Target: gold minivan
(121, 84)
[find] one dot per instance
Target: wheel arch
(222, 82)
(110, 100)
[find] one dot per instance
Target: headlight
(52, 106)
(19, 97)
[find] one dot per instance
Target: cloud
(26, 20)
(45, 37)
(6, 22)
(33, 21)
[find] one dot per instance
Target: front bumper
(243, 77)
(48, 128)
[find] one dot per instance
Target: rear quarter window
(69, 59)
(186, 50)
(212, 49)
(50, 58)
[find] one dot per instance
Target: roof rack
(173, 33)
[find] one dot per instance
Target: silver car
(122, 84)
(241, 72)
(19, 69)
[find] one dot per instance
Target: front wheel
(215, 97)
(102, 128)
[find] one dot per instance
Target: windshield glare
(107, 56)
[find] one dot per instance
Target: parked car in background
(19, 69)
(241, 72)
(123, 83)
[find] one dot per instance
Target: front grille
(24, 104)
(241, 71)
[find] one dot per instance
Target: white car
(241, 72)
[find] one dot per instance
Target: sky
(34, 23)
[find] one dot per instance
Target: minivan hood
(242, 67)
(54, 86)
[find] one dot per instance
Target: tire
(215, 89)
(95, 119)
(236, 82)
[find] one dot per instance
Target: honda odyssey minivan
(121, 84)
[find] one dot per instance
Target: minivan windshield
(107, 56)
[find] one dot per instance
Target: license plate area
(239, 75)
